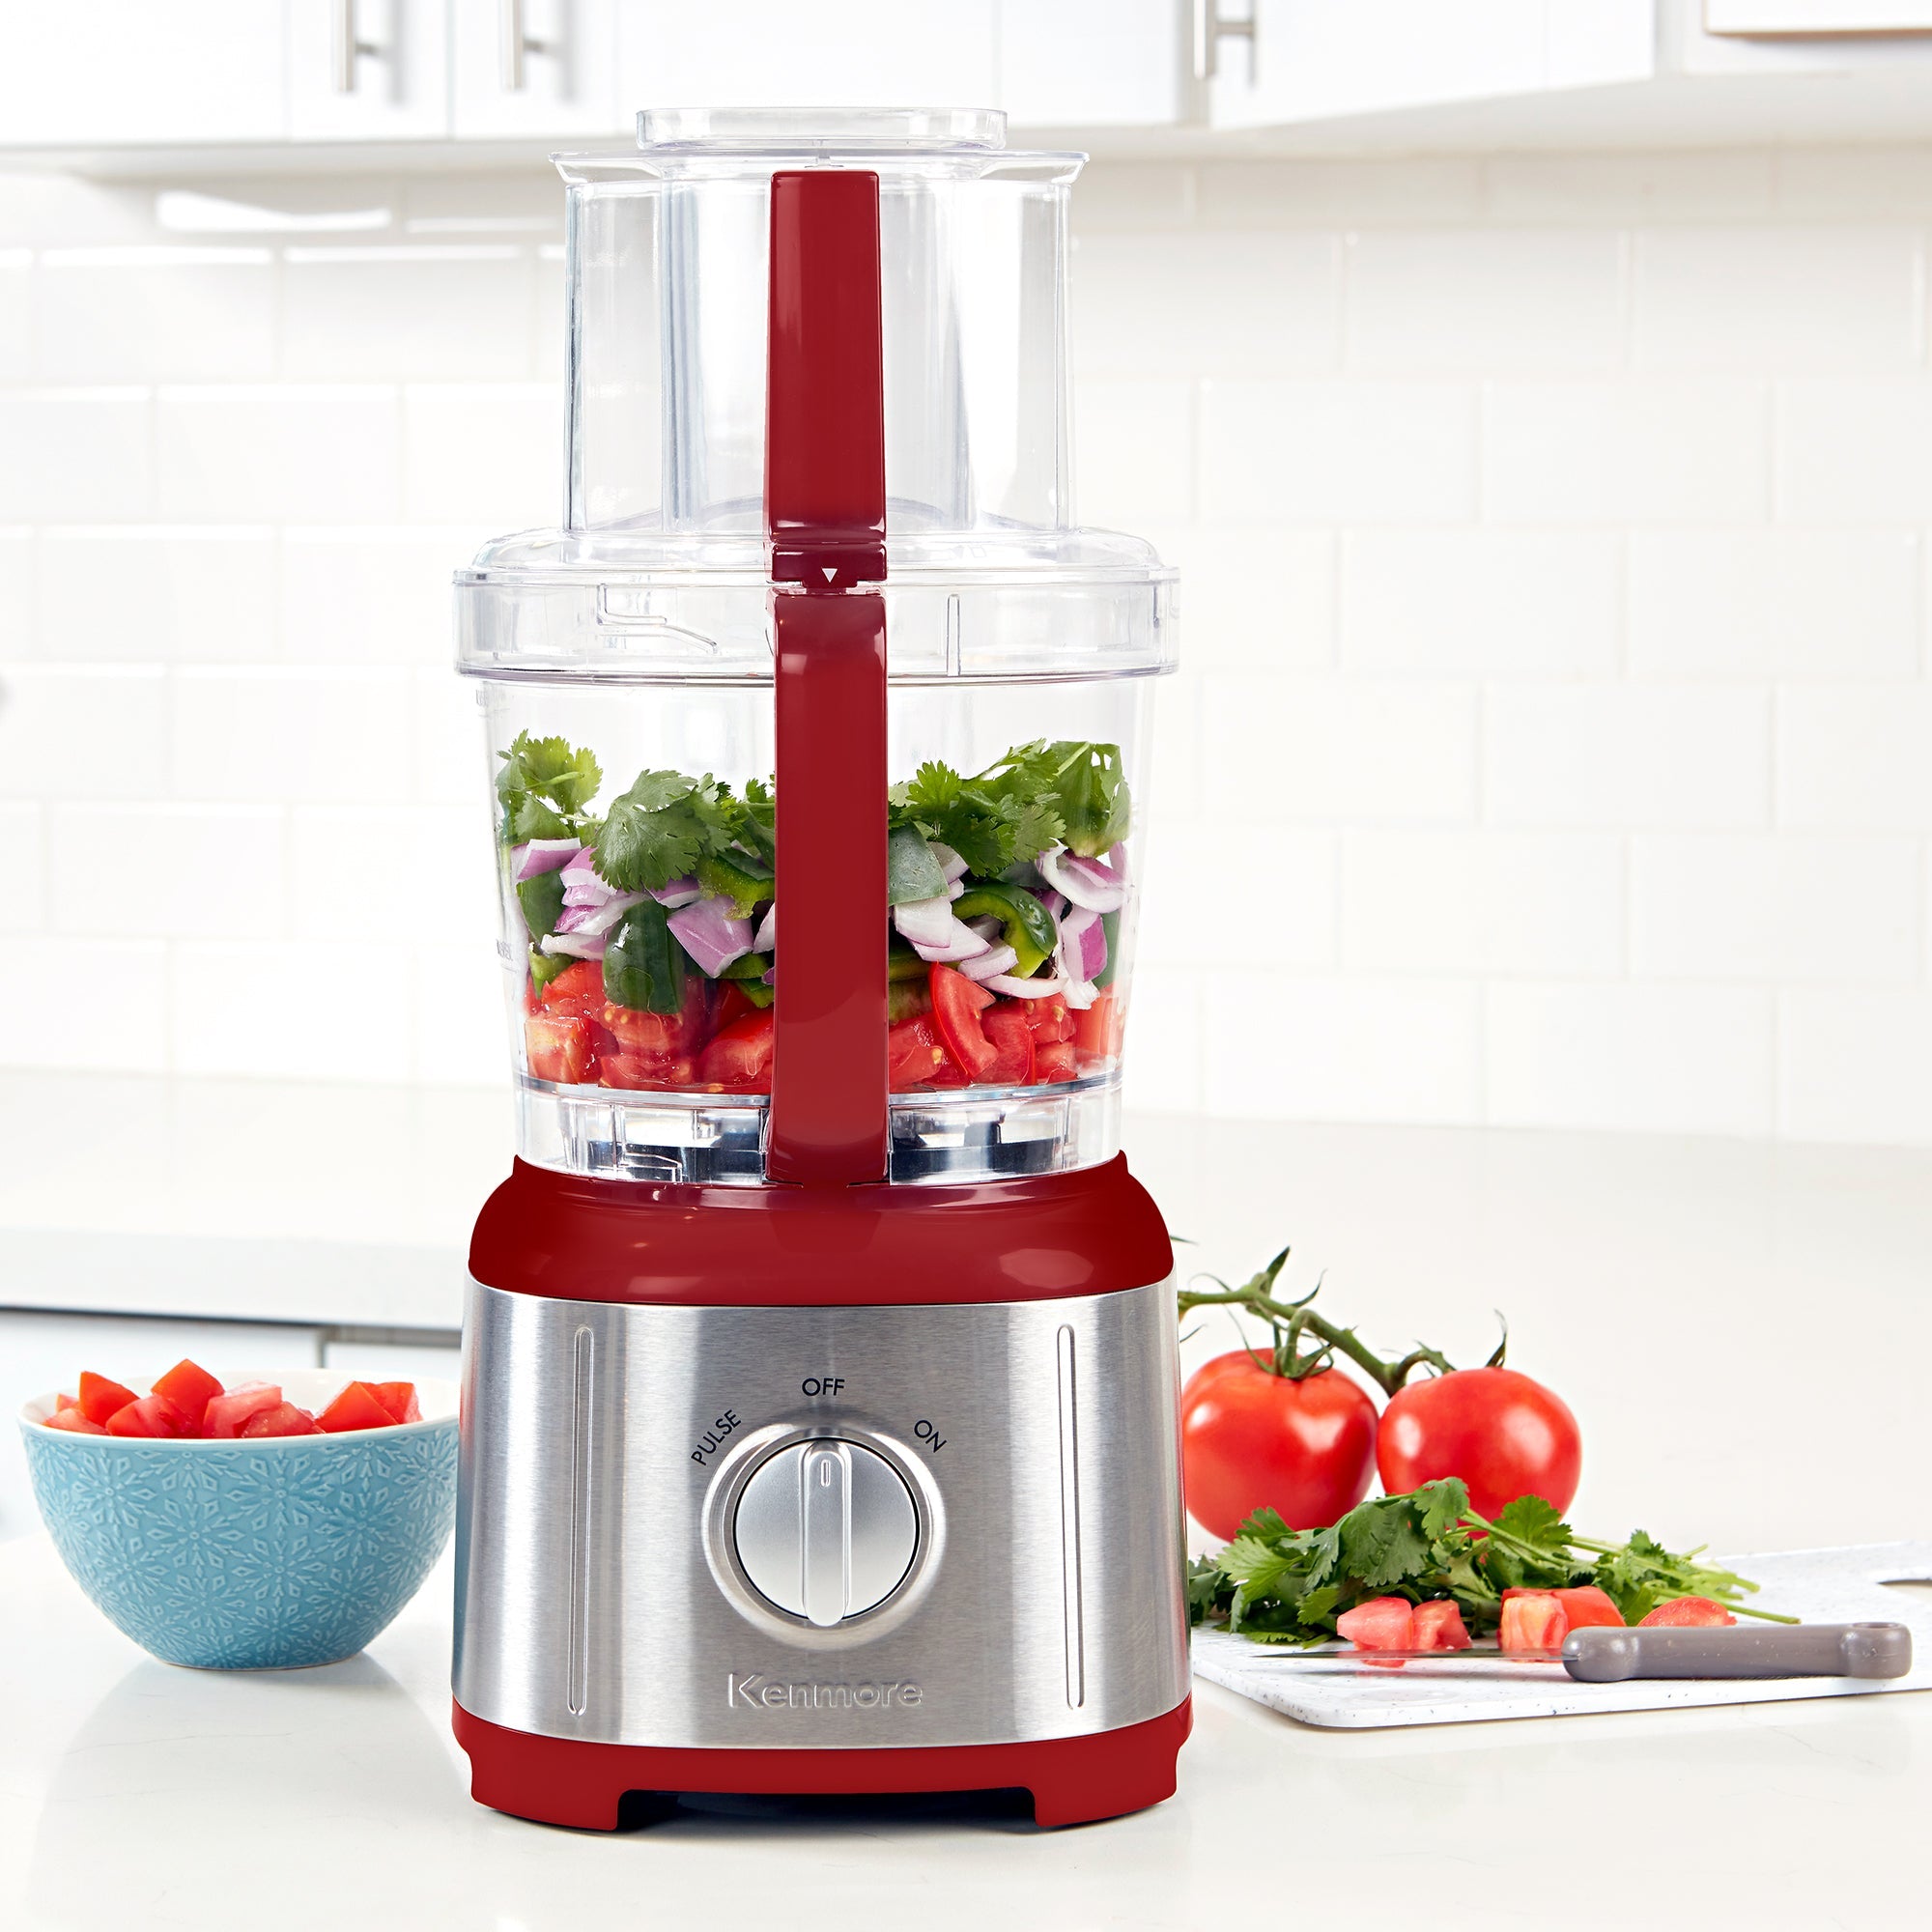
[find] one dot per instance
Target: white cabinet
(368, 69)
(771, 53)
(122, 73)
(1081, 64)
(1328, 60)
(1818, 17)
(535, 68)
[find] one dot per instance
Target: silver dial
(826, 1529)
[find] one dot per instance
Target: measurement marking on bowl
(577, 1665)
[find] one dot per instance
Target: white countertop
(1739, 1329)
(168, 1798)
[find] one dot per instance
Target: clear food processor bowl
(625, 671)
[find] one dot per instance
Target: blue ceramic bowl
(258, 1555)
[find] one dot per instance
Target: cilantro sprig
(545, 789)
(1288, 1586)
(1035, 796)
(669, 821)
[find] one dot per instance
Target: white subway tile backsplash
(436, 311)
(76, 455)
(1164, 1052)
(83, 731)
(492, 455)
(1856, 1064)
(177, 593)
(1422, 302)
(1136, 308)
(1609, 754)
(1338, 452)
(1290, 923)
(1335, 1049)
(1857, 756)
(1308, 750)
(1777, 299)
(167, 871)
(446, 759)
(1635, 452)
(461, 1030)
(16, 593)
(342, 886)
(1490, 901)
(379, 595)
(144, 314)
(1697, 185)
(297, 1009)
(1775, 602)
(119, 985)
(296, 735)
(1784, 907)
(23, 906)
(1854, 451)
(1254, 601)
(15, 333)
(1134, 452)
(295, 455)
(1692, 1060)
(1340, 194)
(1544, 601)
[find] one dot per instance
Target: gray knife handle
(1601, 1654)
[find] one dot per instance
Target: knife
(1603, 1655)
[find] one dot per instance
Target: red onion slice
(541, 855)
(1002, 960)
(711, 933)
(574, 945)
(961, 942)
(1081, 994)
(1081, 953)
(766, 938)
(596, 919)
(1085, 882)
(924, 922)
(1024, 989)
(679, 892)
(950, 861)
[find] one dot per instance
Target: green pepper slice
(745, 881)
(541, 901)
(1026, 925)
(643, 965)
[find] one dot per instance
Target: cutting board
(1837, 1586)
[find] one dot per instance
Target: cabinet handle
(516, 44)
(1210, 28)
(344, 47)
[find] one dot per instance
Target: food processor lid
(663, 562)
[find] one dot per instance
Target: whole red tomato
(1504, 1434)
(1252, 1439)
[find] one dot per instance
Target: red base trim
(1073, 1780)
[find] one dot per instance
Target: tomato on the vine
(1503, 1433)
(1252, 1439)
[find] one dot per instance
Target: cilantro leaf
(551, 769)
(1381, 1544)
(662, 827)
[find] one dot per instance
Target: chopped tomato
(1532, 1621)
(645, 1069)
(62, 1401)
(226, 1414)
(913, 1054)
(1688, 1613)
(557, 1048)
(1049, 1018)
(74, 1417)
(1005, 1025)
(740, 1057)
(1439, 1626)
(399, 1399)
(578, 991)
(1053, 1060)
(190, 1388)
(287, 1420)
(358, 1406)
(1383, 1623)
(949, 1072)
(733, 1003)
(1585, 1606)
(149, 1415)
(957, 1003)
(99, 1398)
(1098, 1032)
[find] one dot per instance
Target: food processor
(820, 1409)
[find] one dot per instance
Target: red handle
(825, 506)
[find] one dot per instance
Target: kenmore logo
(760, 1692)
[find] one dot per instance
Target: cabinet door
(780, 53)
(368, 69)
(562, 84)
(1322, 60)
(111, 73)
(1092, 63)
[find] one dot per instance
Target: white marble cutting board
(1839, 1587)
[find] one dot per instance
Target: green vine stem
(1291, 1320)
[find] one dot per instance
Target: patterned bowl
(252, 1555)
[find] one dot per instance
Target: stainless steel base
(598, 1594)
